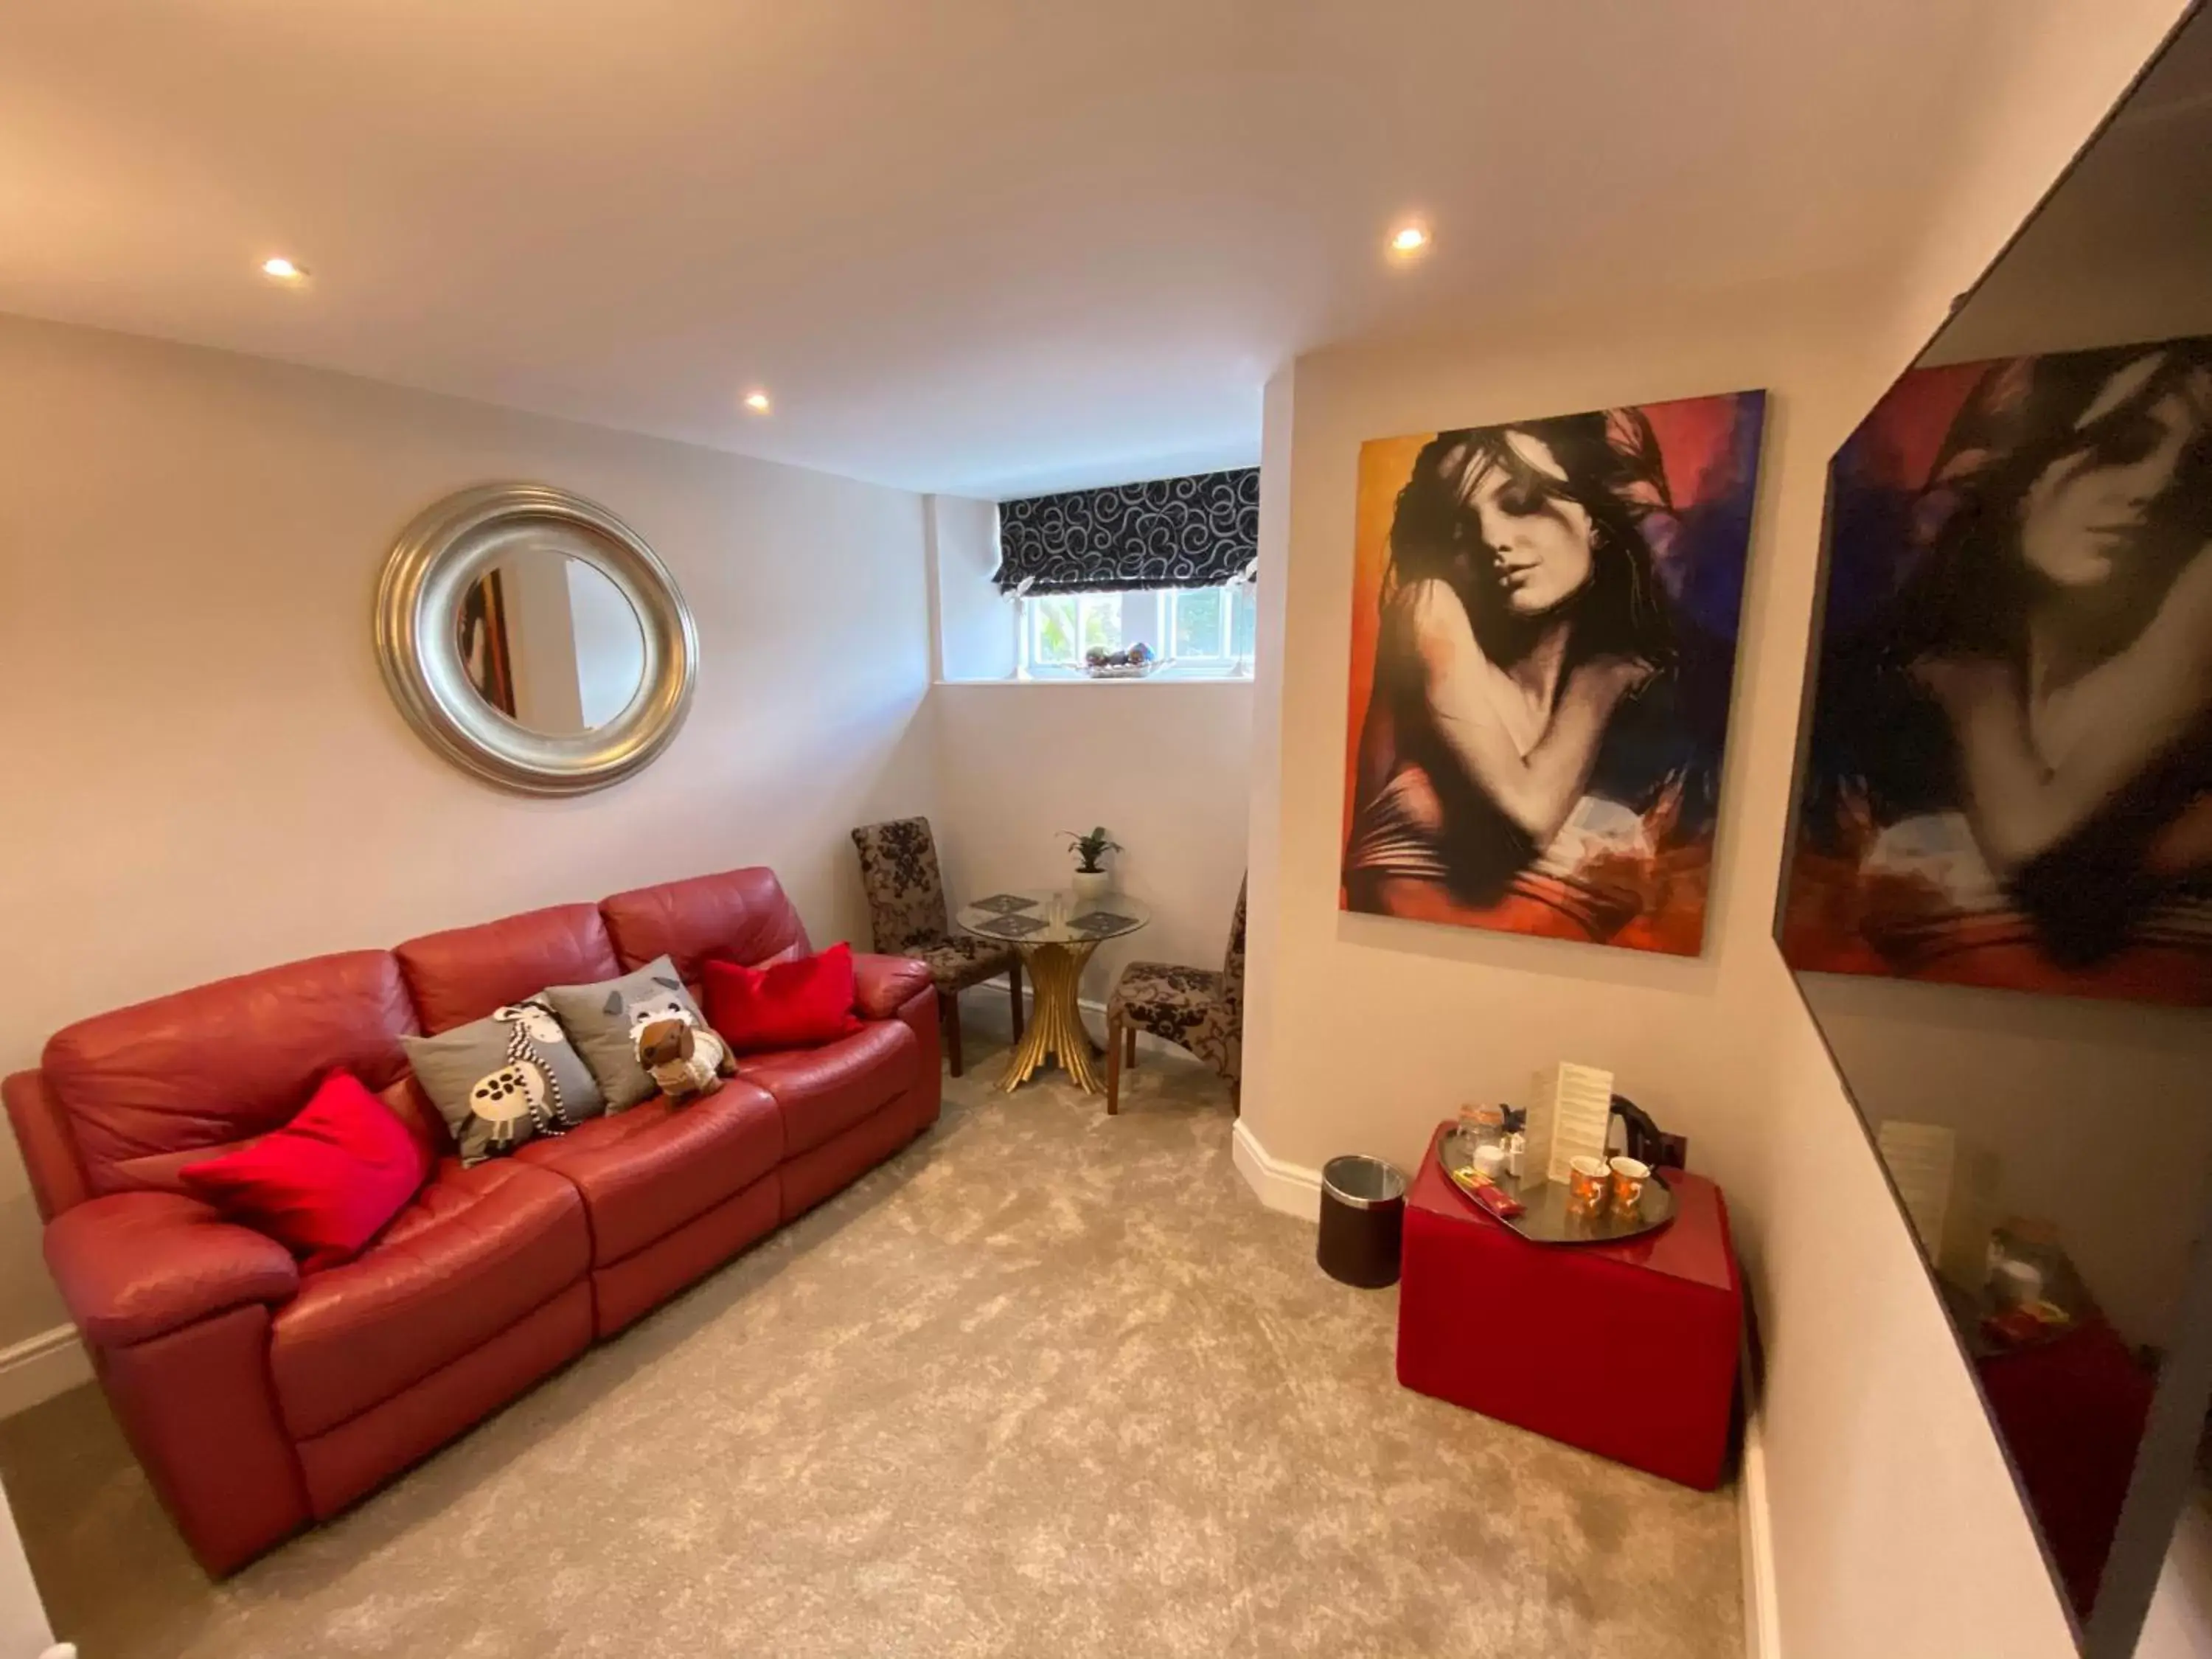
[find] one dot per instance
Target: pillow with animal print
(505, 1079)
(603, 1021)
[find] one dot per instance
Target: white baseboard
(40, 1367)
(1291, 1187)
(1762, 1628)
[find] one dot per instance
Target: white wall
(1163, 764)
(24, 1633)
(207, 773)
(978, 633)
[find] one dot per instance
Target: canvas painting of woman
(1544, 636)
(2009, 775)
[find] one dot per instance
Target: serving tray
(1545, 1216)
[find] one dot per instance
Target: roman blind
(1199, 531)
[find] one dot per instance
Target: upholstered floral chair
(1197, 1008)
(906, 905)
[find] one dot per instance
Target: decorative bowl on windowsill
(1133, 663)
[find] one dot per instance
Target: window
(1198, 632)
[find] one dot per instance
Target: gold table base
(1056, 1027)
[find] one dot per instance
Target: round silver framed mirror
(533, 639)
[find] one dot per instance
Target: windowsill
(1167, 677)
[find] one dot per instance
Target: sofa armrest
(884, 985)
(134, 1265)
(42, 1132)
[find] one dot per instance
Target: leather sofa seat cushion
(477, 1250)
(822, 1092)
(743, 915)
(151, 1088)
(645, 1172)
(462, 975)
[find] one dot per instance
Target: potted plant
(1093, 880)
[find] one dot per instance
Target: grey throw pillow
(503, 1080)
(603, 1020)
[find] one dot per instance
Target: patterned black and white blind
(1173, 533)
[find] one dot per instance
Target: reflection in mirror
(1999, 893)
(551, 643)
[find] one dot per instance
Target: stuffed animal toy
(685, 1062)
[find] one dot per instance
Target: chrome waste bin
(1363, 1208)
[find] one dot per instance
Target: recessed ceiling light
(1409, 239)
(281, 269)
(756, 402)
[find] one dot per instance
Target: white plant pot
(1091, 884)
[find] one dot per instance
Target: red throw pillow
(325, 1183)
(790, 1005)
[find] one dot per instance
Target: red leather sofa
(260, 1400)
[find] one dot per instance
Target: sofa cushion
(645, 1172)
(477, 1250)
(820, 1091)
(325, 1183)
(602, 1021)
(152, 1088)
(499, 1082)
(462, 975)
(800, 1004)
(742, 914)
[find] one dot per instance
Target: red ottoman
(1625, 1350)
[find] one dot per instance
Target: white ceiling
(977, 246)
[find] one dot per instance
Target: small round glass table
(1055, 934)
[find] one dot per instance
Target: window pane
(1055, 630)
(1198, 622)
(1145, 620)
(1244, 620)
(1102, 622)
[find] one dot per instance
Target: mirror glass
(1999, 902)
(549, 642)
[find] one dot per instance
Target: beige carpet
(1048, 1384)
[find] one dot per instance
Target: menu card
(1568, 1118)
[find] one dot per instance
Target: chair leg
(1114, 1066)
(948, 1003)
(1130, 1043)
(1014, 990)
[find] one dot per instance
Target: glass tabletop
(1027, 916)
